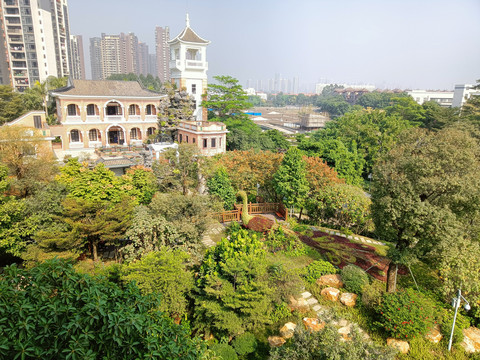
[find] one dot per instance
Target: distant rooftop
(105, 88)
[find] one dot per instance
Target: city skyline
(397, 44)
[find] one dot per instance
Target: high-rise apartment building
(96, 58)
(77, 60)
(152, 64)
(143, 58)
(117, 54)
(35, 41)
(162, 36)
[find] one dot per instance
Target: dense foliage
(234, 294)
(406, 314)
(317, 269)
(354, 279)
(163, 272)
(51, 311)
(327, 344)
(221, 185)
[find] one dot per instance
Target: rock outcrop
(313, 324)
(348, 299)
(330, 280)
(288, 330)
(471, 340)
(400, 345)
(330, 293)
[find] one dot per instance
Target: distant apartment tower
(96, 58)
(162, 36)
(115, 54)
(152, 64)
(77, 59)
(143, 59)
(34, 41)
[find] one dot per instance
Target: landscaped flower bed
(340, 251)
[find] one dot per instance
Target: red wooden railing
(256, 208)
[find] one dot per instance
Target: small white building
(443, 98)
(462, 93)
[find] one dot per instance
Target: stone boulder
(471, 340)
(400, 345)
(345, 331)
(276, 341)
(330, 280)
(348, 299)
(331, 293)
(299, 304)
(288, 330)
(434, 335)
(313, 324)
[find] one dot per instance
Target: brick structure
(210, 137)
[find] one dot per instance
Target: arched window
(150, 110)
(92, 110)
(135, 134)
(74, 135)
(114, 109)
(72, 110)
(133, 110)
(94, 135)
(151, 131)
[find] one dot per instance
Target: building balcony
(151, 118)
(10, 2)
(16, 48)
(133, 118)
(114, 118)
(92, 118)
(189, 64)
(15, 39)
(73, 119)
(14, 31)
(195, 64)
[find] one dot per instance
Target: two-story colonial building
(104, 113)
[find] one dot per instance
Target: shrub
(354, 278)
(372, 294)
(281, 312)
(225, 351)
(61, 314)
(406, 314)
(327, 344)
(317, 269)
(289, 244)
(245, 344)
(461, 323)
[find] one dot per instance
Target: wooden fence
(256, 208)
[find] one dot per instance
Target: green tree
(407, 108)
(163, 272)
(348, 162)
(140, 183)
(340, 205)
(378, 100)
(227, 99)
(437, 117)
(61, 314)
(184, 164)
(290, 180)
(28, 158)
(279, 141)
(220, 185)
(11, 104)
(234, 293)
(335, 105)
(425, 191)
(87, 223)
(95, 185)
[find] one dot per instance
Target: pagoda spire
(187, 21)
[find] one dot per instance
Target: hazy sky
(431, 44)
